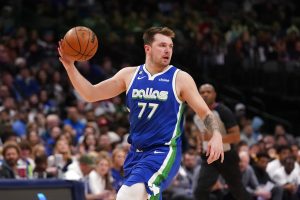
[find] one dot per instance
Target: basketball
(80, 43)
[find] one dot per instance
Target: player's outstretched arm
(188, 92)
(91, 93)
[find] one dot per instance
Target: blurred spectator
(89, 129)
(104, 143)
(288, 177)
(74, 120)
(41, 165)
(46, 104)
(253, 151)
(272, 153)
(257, 124)
(8, 81)
(182, 185)
(279, 130)
(248, 135)
(33, 138)
(263, 178)
(10, 106)
(240, 113)
(249, 179)
(61, 158)
(100, 180)
(38, 150)
(117, 171)
(52, 120)
(26, 157)
(103, 124)
(88, 144)
(54, 133)
(4, 93)
(269, 141)
(281, 140)
(91, 72)
(283, 152)
(20, 123)
(26, 83)
(296, 152)
(57, 88)
(80, 170)
(11, 154)
(242, 146)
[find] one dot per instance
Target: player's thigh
(134, 192)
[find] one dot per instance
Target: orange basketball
(80, 43)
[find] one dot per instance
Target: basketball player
(156, 92)
(229, 170)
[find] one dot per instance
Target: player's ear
(147, 48)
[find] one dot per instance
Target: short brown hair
(148, 36)
(9, 145)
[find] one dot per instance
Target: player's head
(158, 45)
(208, 93)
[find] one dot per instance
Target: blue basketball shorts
(154, 167)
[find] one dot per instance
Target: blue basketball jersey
(155, 110)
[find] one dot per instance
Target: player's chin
(165, 61)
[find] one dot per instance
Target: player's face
(161, 50)
(208, 94)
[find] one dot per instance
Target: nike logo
(141, 77)
(157, 152)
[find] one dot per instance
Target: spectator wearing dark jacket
(11, 155)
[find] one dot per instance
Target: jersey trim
(134, 75)
(174, 86)
(150, 77)
(159, 176)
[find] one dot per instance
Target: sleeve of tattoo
(211, 123)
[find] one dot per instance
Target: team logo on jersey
(149, 94)
(163, 80)
(141, 77)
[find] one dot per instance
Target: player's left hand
(215, 148)
(63, 57)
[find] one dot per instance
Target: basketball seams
(91, 50)
(88, 55)
(77, 39)
(87, 44)
(79, 45)
(78, 52)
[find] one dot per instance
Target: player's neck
(154, 69)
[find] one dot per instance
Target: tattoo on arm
(211, 123)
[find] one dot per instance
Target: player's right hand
(66, 60)
(215, 148)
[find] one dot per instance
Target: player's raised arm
(188, 92)
(91, 93)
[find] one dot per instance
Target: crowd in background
(48, 131)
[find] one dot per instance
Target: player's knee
(134, 192)
(122, 195)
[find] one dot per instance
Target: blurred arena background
(249, 50)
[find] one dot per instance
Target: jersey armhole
(174, 87)
(134, 75)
